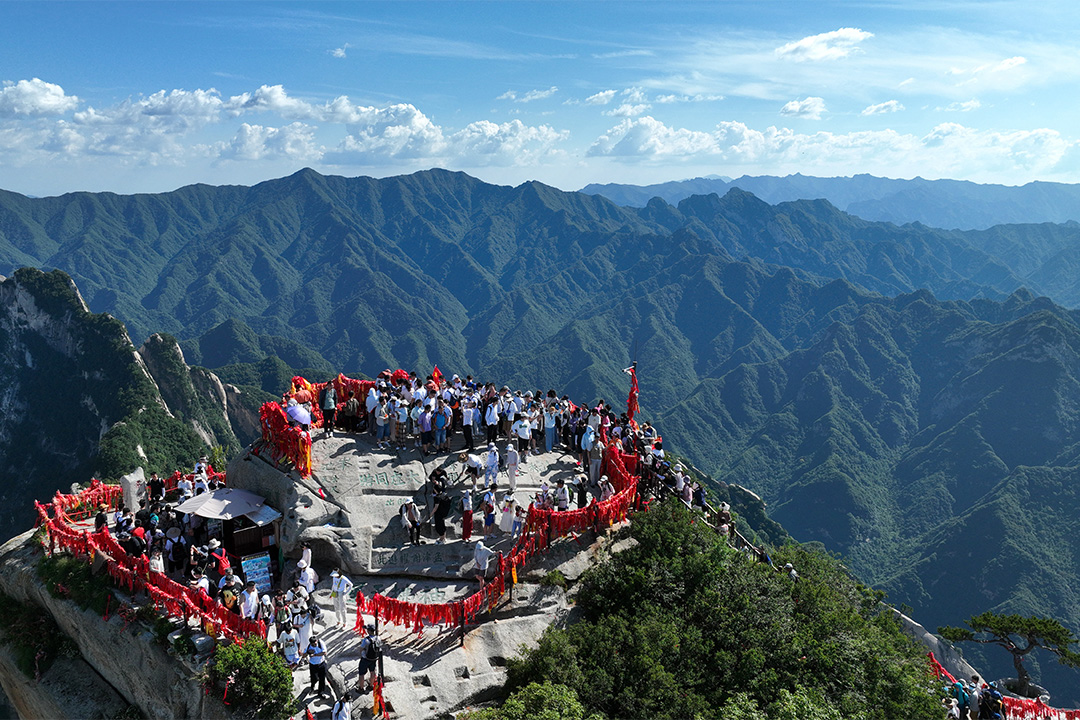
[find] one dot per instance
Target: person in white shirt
(249, 601)
(289, 640)
(184, 487)
(468, 417)
(522, 430)
(200, 581)
(308, 576)
(562, 496)
(341, 589)
(482, 557)
(301, 620)
(491, 465)
(342, 709)
(512, 460)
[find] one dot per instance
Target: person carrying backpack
(371, 650)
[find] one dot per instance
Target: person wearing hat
(341, 589)
(482, 557)
(513, 458)
(218, 556)
(316, 653)
(342, 709)
(371, 649)
(791, 572)
(301, 621)
(266, 610)
(176, 549)
(491, 465)
(467, 511)
(308, 577)
(473, 464)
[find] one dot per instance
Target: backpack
(176, 551)
(315, 612)
(374, 648)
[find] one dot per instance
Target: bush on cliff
(681, 625)
(258, 679)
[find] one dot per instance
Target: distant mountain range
(903, 395)
(937, 203)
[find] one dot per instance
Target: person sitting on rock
(410, 520)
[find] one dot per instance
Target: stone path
(429, 674)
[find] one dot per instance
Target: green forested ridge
(681, 626)
(932, 442)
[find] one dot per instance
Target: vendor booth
(247, 528)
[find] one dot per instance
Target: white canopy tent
(229, 504)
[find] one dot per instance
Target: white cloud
(949, 150)
(628, 110)
(601, 98)
(883, 108)
(697, 97)
(255, 142)
(511, 143)
(810, 108)
(34, 98)
(649, 138)
(403, 133)
(825, 46)
(529, 96)
(966, 106)
(339, 52)
(623, 53)
(174, 111)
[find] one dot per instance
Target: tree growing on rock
(1020, 636)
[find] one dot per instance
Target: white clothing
(290, 644)
(342, 710)
(340, 590)
(308, 578)
(249, 603)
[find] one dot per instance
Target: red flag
(631, 401)
(321, 493)
(437, 376)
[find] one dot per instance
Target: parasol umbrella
(299, 414)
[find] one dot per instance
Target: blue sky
(147, 97)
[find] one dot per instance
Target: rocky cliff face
(117, 665)
(77, 399)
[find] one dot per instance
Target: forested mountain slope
(898, 393)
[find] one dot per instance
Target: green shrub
(67, 577)
(183, 646)
(260, 680)
(555, 577)
(536, 701)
